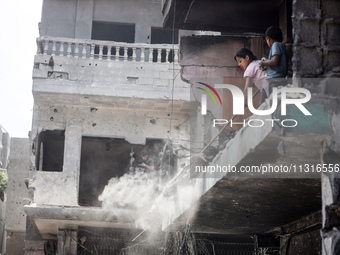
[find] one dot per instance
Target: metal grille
(203, 244)
(98, 241)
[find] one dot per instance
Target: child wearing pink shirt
(252, 72)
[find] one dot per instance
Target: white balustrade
(92, 51)
(125, 53)
(83, 50)
(54, 47)
(69, 45)
(108, 53)
(101, 51)
(142, 54)
(76, 50)
(107, 50)
(134, 54)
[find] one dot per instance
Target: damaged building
(106, 85)
(114, 78)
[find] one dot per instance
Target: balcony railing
(107, 50)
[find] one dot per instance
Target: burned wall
(213, 56)
(210, 60)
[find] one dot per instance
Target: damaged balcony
(47, 220)
(64, 200)
(95, 103)
(106, 72)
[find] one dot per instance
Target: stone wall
(316, 33)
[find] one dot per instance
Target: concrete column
(4, 148)
(330, 182)
(84, 17)
(197, 130)
(17, 192)
(327, 199)
(336, 130)
(72, 152)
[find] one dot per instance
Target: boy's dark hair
(243, 52)
(144, 153)
(275, 33)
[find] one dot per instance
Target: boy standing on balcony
(148, 163)
(277, 60)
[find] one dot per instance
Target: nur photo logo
(238, 104)
(204, 97)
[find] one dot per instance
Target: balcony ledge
(47, 219)
(68, 72)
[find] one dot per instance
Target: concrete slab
(236, 205)
(48, 219)
(282, 169)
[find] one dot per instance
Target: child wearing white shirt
(252, 72)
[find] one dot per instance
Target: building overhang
(48, 219)
(260, 202)
(230, 16)
(115, 102)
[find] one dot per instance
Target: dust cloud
(153, 200)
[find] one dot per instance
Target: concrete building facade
(111, 78)
(17, 196)
(106, 84)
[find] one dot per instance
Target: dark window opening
(113, 52)
(159, 36)
(50, 151)
(105, 158)
(117, 32)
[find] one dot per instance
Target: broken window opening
(50, 151)
(160, 35)
(105, 158)
(117, 32)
